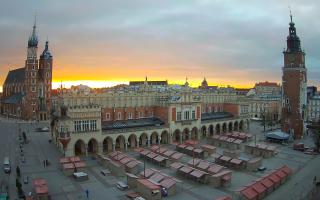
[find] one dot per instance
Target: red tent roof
(132, 163)
(157, 177)
(74, 159)
(80, 164)
(203, 165)
(43, 189)
(68, 166)
(286, 170)
(64, 160)
(176, 165)
(182, 146)
(186, 169)
(207, 146)
(197, 173)
(249, 193)
(198, 150)
(266, 182)
(194, 161)
(213, 169)
(169, 153)
(147, 172)
(274, 178)
(258, 187)
(236, 161)
(190, 148)
(144, 152)
(125, 160)
(154, 148)
(176, 156)
(225, 158)
(280, 174)
(149, 184)
(167, 183)
(160, 158)
(39, 181)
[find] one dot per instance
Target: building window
(130, 115)
(108, 116)
(194, 114)
(186, 115)
(178, 116)
(33, 89)
(119, 115)
(93, 125)
(140, 114)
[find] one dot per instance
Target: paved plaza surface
(103, 187)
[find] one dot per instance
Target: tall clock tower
(294, 85)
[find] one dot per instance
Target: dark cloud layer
(220, 39)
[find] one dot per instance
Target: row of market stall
(239, 163)
(240, 135)
(120, 163)
(263, 150)
(263, 186)
(204, 172)
(193, 151)
(225, 142)
(153, 184)
(70, 165)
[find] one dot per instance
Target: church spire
(293, 41)
(33, 39)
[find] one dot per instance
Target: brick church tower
(45, 86)
(31, 77)
(294, 85)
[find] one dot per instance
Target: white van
(6, 165)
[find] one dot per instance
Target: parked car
(6, 165)
(25, 179)
(43, 129)
(122, 186)
(299, 146)
(262, 168)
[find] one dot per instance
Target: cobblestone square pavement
(103, 187)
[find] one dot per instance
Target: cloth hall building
(143, 115)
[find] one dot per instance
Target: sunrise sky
(105, 42)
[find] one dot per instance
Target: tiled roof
(132, 123)
(268, 84)
(15, 76)
(215, 115)
(14, 99)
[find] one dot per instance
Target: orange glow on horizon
(109, 83)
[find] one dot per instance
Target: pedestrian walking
(87, 193)
(44, 163)
(18, 171)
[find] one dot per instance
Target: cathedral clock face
(291, 59)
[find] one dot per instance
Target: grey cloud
(246, 37)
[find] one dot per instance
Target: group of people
(45, 163)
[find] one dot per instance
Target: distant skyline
(229, 42)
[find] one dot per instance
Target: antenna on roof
(290, 14)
